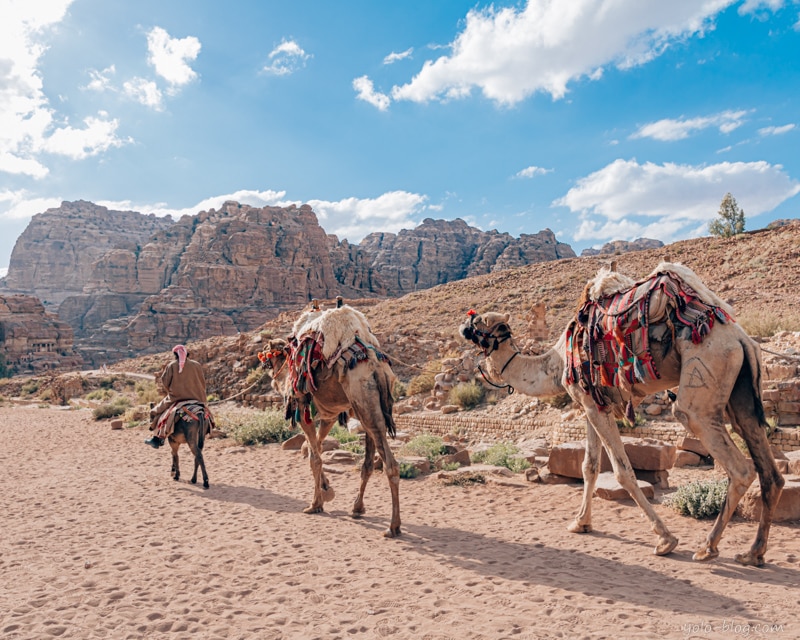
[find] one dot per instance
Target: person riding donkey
(184, 381)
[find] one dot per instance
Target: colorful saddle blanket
(608, 344)
(184, 408)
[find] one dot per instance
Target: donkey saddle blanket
(608, 342)
(183, 409)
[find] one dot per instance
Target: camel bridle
(489, 342)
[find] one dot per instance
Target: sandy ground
(97, 541)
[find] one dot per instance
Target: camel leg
(325, 487)
(744, 418)
(702, 396)
(366, 471)
(315, 462)
(608, 432)
(591, 467)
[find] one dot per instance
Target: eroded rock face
(54, 257)
(623, 246)
(32, 340)
(440, 251)
(129, 283)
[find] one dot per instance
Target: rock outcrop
(32, 340)
(440, 251)
(129, 283)
(623, 246)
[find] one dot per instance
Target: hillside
(757, 272)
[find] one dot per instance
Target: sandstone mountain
(623, 246)
(129, 283)
(758, 273)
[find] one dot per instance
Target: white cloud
(144, 91)
(101, 80)
(366, 91)
(285, 59)
(776, 131)
(510, 53)
(27, 120)
(530, 172)
(626, 199)
(353, 218)
(755, 6)
(243, 196)
(171, 56)
(19, 205)
(395, 57)
(669, 130)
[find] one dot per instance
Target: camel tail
(750, 375)
(387, 402)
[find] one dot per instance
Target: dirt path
(98, 542)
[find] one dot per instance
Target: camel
(330, 366)
(681, 335)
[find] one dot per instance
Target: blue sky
(598, 119)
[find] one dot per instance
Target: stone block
(687, 443)
(794, 462)
(687, 459)
(547, 477)
(788, 509)
(116, 424)
(659, 479)
(567, 459)
(609, 489)
(461, 457)
(295, 443)
(650, 455)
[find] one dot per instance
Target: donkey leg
(608, 432)
(196, 445)
(591, 467)
(366, 472)
(176, 470)
(747, 424)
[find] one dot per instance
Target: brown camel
(666, 331)
(330, 366)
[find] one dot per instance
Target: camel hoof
(357, 513)
(313, 509)
(391, 532)
(576, 527)
(704, 555)
(750, 559)
(665, 545)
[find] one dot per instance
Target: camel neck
(532, 375)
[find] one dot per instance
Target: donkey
(191, 426)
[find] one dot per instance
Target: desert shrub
(425, 446)
(146, 392)
(100, 395)
(424, 382)
(108, 383)
(467, 395)
(256, 375)
(464, 479)
(249, 427)
(450, 466)
(112, 409)
(29, 388)
(702, 499)
(399, 389)
(343, 434)
(408, 471)
(558, 401)
(502, 454)
(765, 324)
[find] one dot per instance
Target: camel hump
(606, 283)
(339, 328)
(689, 277)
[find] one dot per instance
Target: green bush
(101, 395)
(343, 435)
(399, 389)
(450, 466)
(467, 395)
(425, 446)
(146, 392)
(701, 499)
(408, 471)
(112, 409)
(248, 427)
(502, 454)
(29, 388)
(464, 479)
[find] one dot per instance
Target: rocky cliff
(129, 283)
(32, 340)
(55, 255)
(440, 251)
(623, 246)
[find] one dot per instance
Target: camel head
(274, 358)
(487, 330)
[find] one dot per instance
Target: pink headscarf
(181, 351)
